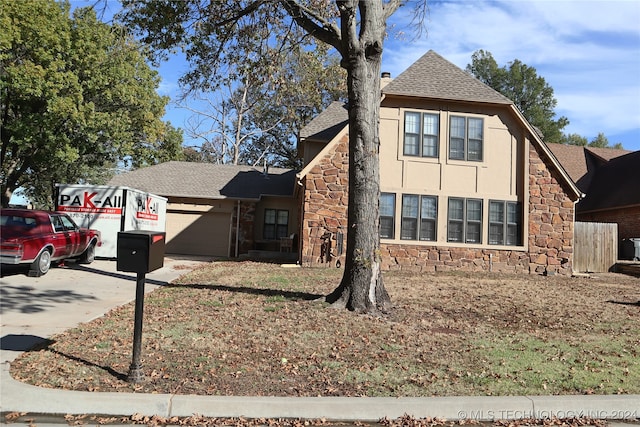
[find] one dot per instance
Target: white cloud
(588, 51)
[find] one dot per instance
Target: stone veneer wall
(551, 219)
(326, 189)
(550, 240)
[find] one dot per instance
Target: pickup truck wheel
(41, 265)
(89, 255)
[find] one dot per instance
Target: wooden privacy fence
(595, 247)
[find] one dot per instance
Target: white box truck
(110, 210)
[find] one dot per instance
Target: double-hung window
(504, 223)
(387, 215)
(421, 134)
(419, 217)
(464, 222)
(276, 224)
(466, 138)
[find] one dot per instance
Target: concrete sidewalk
(19, 397)
(23, 398)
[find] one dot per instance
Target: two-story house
(466, 182)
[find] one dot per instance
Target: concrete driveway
(33, 309)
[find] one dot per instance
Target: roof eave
(300, 175)
(445, 98)
(577, 193)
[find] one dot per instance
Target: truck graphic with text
(111, 209)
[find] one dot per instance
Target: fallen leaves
(213, 333)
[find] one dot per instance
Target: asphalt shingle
(208, 180)
(431, 76)
(327, 124)
(581, 162)
(434, 77)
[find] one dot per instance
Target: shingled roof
(434, 77)
(431, 76)
(582, 162)
(327, 124)
(209, 181)
(614, 185)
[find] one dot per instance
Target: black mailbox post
(140, 252)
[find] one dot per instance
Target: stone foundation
(432, 259)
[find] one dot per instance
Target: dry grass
(258, 329)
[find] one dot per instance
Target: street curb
(20, 397)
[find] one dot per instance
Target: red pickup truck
(38, 238)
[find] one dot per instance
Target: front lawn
(247, 328)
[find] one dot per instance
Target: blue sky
(587, 51)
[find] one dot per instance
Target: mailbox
(140, 251)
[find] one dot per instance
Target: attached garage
(198, 233)
(217, 210)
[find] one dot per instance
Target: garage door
(198, 233)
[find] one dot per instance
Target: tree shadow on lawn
(29, 299)
(33, 344)
(290, 295)
(118, 375)
(624, 302)
(47, 346)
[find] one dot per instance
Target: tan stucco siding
(513, 168)
(280, 203)
(500, 175)
(311, 150)
(496, 174)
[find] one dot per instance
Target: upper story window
(421, 134)
(466, 138)
(387, 215)
(419, 217)
(276, 224)
(464, 221)
(504, 223)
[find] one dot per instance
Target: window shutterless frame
(409, 226)
(419, 216)
(505, 223)
(276, 224)
(464, 220)
(387, 215)
(429, 218)
(466, 138)
(421, 134)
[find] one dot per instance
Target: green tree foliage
(225, 39)
(528, 91)
(260, 120)
(575, 139)
(307, 83)
(78, 98)
(600, 141)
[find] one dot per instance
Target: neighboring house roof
(209, 181)
(615, 185)
(434, 77)
(582, 162)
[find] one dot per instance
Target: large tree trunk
(362, 289)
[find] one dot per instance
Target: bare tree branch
(314, 24)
